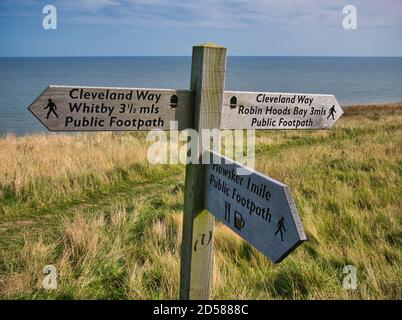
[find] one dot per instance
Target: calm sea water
(352, 80)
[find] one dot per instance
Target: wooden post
(207, 81)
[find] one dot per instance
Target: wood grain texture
(259, 209)
(112, 109)
(207, 83)
(297, 110)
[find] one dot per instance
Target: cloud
(223, 14)
(249, 26)
(96, 4)
(232, 13)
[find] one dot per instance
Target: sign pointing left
(68, 108)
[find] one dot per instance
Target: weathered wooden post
(259, 209)
(207, 82)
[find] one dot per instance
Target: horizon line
(189, 56)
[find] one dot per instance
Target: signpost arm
(207, 82)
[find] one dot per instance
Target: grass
(90, 205)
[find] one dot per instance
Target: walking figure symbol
(332, 112)
(52, 109)
(280, 227)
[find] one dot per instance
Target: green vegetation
(91, 205)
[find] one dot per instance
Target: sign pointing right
(258, 110)
(259, 209)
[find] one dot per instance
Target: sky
(172, 27)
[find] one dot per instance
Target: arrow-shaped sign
(68, 108)
(74, 108)
(258, 110)
(259, 209)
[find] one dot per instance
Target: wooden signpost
(207, 81)
(259, 209)
(258, 110)
(66, 108)
(256, 207)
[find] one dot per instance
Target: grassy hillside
(91, 205)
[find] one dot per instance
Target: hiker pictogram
(332, 112)
(280, 227)
(52, 109)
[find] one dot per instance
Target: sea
(353, 80)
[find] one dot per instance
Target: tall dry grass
(61, 157)
(346, 184)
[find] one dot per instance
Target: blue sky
(171, 27)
